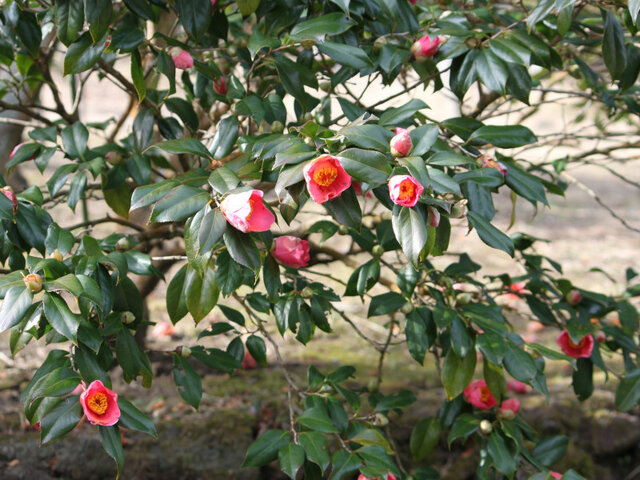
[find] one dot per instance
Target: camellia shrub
(259, 133)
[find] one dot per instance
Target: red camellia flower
(246, 211)
(389, 476)
(512, 404)
(100, 404)
(405, 190)
(425, 48)
(477, 394)
(517, 386)
(220, 86)
(291, 251)
(401, 143)
(183, 60)
(326, 179)
(9, 193)
(582, 349)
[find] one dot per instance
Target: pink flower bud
(33, 282)
(433, 217)
(401, 143)
(8, 192)
(425, 48)
(326, 179)
(582, 349)
(108, 42)
(517, 386)
(220, 86)
(100, 404)
(183, 60)
(213, 3)
(246, 211)
(388, 476)
(291, 251)
(478, 394)
(511, 405)
(600, 336)
(555, 474)
(248, 362)
(573, 297)
(405, 190)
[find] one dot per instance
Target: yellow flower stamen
(98, 403)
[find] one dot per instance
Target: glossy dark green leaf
(265, 449)
(257, 349)
(225, 137)
(317, 28)
(491, 70)
(61, 419)
(551, 450)
(507, 136)
(424, 438)
(614, 51)
(410, 229)
(503, 453)
(345, 209)
(187, 380)
(180, 204)
(628, 391)
(367, 166)
(137, 75)
(190, 146)
(112, 444)
(316, 418)
(98, 15)
(60, 317)
(242, 249)
(195, 16)
(83, 53)
(490, 234)
(385, 303)
(131, 417)
(69, 20)
(345, 54)
(15, 305)
(176, 295)
(291, 458)
(457, 372)
(368, 136)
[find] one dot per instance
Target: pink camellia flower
(246, 211)
(326, 179)
(401, 143)
(582, 349)
(425, 48)
(100, 404)
(478, 394)
(9, 193)
(573, 297)
(512, 404)
(389, 476)
(248, 362)
(405, 190)
(515, 290)
(220, 86)
(163, 329)
(291, 251)
(555, 474)
(183, 60)
(517, 386)
(433, 218)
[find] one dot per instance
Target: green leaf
(131, 417)
(507, 136)
(98, 15)
(372, 437)
(368, 136)
(291, 458)
(176, 296)
(195, 16)
(424, 438)
(69, 20)
(510, 51)
(457, 372)
(634, 8)
(628, 391)
(184, 110)
(422, 138)
(74, 140)
(149, 194)
(242, 249)
(141, 8)
(137, 75)
(367, 166)
(259, 40)
(181, 203)
(187, 380)
(257, 349)
(56, 383)
(343, 464)
(83, 54)
(526, 185)
(315, 446)
(317, 28)
(223, 180)
(490, 234)
(345, 209)
(614, 50)
(419, 322)
(316, 418)
(61, 419)
(132, 359)
(520, 364)
(503, 453)
(60, 317)
(15, 305)
(386, 303)
(247, 7)
(441, 182)
(463, 426)
(202, 293)
(491, 71)
(488, 177)
(551, 450)
(112, 444)
(190, 146)
(542, 9)
(225, 138)
(397, 115)
(410, 229)
(347, 55)
(265, 449)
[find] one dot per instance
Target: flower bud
(373, 385)
(220, 86)
(381, 420)
(277, 127)
(600, 336)
(325, 86)
(485, 427)
(113, 158)
(401, 143)
(463, 299)
(459, 210)
(377, 251)
(425, 48)
(128, 318)
(57, 255)
(307, 293)
(182, 59)
(8, 192)
(123, 244)
(33, 282)
(185, 351)
(433, 217)
(407, 308)
(307, 117)
(573, 297)
(343, 230)
(379, 43)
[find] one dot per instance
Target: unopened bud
(401, 143)
(277, 127)
(381, 420)
(113, 158)
(485, 427)
(57, 255)
(573, 297)
(185, 351)
(123, 244)
(33, 282)
(463, 299)
(377, 251)
(459, 210)
(343, 230)
(433, 217)
(306, 293)
(8, 192)
(128, 318)
(379, 43)
(506, 414)
(407, 308)
(325, 86)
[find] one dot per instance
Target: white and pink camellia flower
(425, 48)
(246, 211)
(326, 179)
(291, 251)
(401, 143)
(405, 190)
(100, 404)
(582, 349)
(183, 60)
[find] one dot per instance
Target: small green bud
(185, 351)
(381, 420)
(128, 318)
(307, 293)
(407, 308)
(377, 251)
(325, 86)
(277, 127)
(463, 299)
(123, 244)
(343, 230)
(485, 427)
